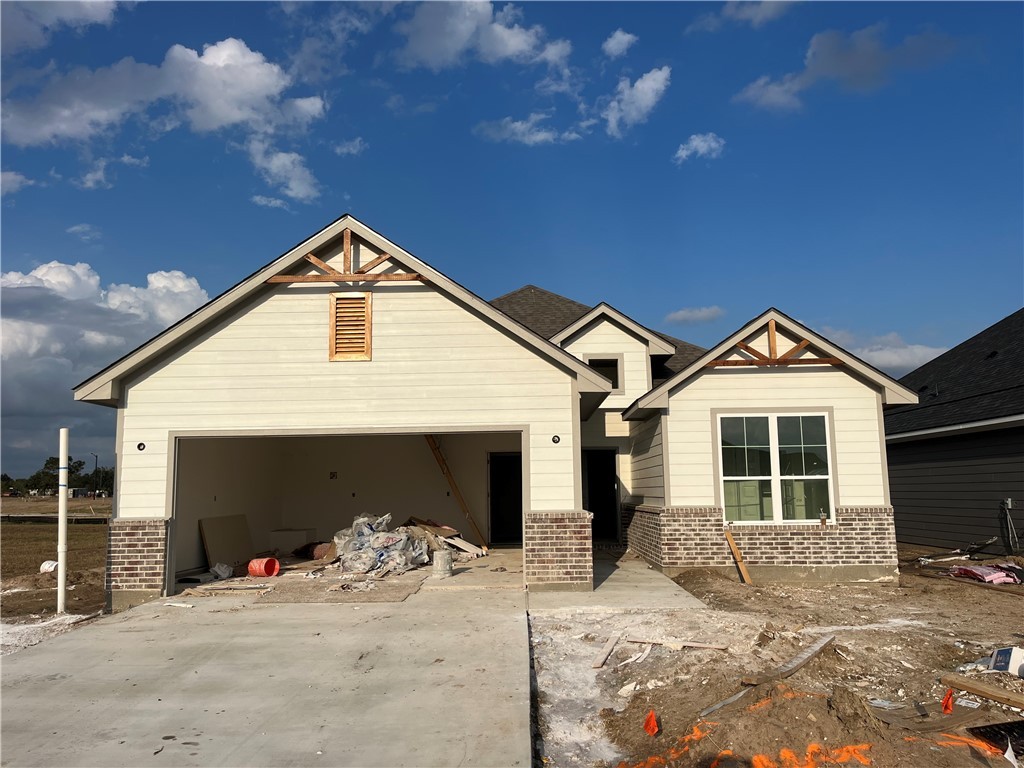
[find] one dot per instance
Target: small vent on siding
(350, 326)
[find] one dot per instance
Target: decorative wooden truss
(773, 358)
(361, 275)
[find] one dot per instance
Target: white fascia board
(655, 344)
(893, 393)
(960, 429)
(589, 380)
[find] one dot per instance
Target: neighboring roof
(543, 312)
(547, 313)
(656, 344)
(892, 391)
(978, 380)
(104, 387)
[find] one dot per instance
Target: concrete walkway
(442, 679)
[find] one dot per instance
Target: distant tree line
(45, 479)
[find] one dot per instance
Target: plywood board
(226, 540)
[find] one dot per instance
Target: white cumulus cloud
(58, 328)
(633, 103)
(708, 145)
(269, 202)
(756, 14)
(12, 181)
(888, 352)
(860, 61)
(618, 43)
(354, 146)
(692, 315)
(530, 131)
(87, 233)
(26, 26)
(226, 86)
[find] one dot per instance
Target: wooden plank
(376, 262)
(347, 258)
(793, 361)
(341, 277)
(985, 690)
(322, 264)
(792, 665)
(439, 457)
(226, 540)
(803, 343)
(464, 545)
(747, 348)
(927, 718)
(602, 657)
(677, 645)
(772, 342)
(724, 702)
(739, 558)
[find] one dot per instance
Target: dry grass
(47, 505)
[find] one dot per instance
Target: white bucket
(48, 566)
(442, 563)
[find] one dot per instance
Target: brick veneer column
(558, 551)
(136, 561)
(643, 535)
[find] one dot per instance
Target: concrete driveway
(441, 679)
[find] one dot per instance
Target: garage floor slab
(441, 679)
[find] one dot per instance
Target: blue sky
(858, 166)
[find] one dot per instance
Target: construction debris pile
(369, 547)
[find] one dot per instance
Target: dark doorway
(505, 474)
(601, 492)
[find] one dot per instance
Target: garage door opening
(296, 487)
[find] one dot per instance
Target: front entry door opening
(601, 492)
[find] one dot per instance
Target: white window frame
(776, 476)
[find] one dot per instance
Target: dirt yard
(28, 595)
(893, 642)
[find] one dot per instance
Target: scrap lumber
(465, 546)
(744, 574)
(724, 702)
(678, 645)
(439, 457)
(792, 665)
(986, 691)
(602, 657)
(927, 718)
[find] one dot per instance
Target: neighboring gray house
(301, 397)
(959, 453)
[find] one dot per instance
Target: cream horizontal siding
(266, 367)
(856, 440)
(605, 338)
(647, 464)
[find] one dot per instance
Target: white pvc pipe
(62, 520)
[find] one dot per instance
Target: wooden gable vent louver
(773, 358)
(351, 315)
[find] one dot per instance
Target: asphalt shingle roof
(546, 313)
(977, 380)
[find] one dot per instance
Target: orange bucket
(264, 566)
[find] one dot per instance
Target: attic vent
(350, 333)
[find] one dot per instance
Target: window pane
(804, 499)
(814, 430)
(748, 500)
(789, 430)
(757, 430)
(732, 431)
(759, 462)
(734, 462)
(791, 461)
(815, 460)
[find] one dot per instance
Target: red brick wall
(693, 536)
(558, 549)
(643, 534)
(136, 552)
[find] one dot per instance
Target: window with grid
(350, 332)
(775, 468)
